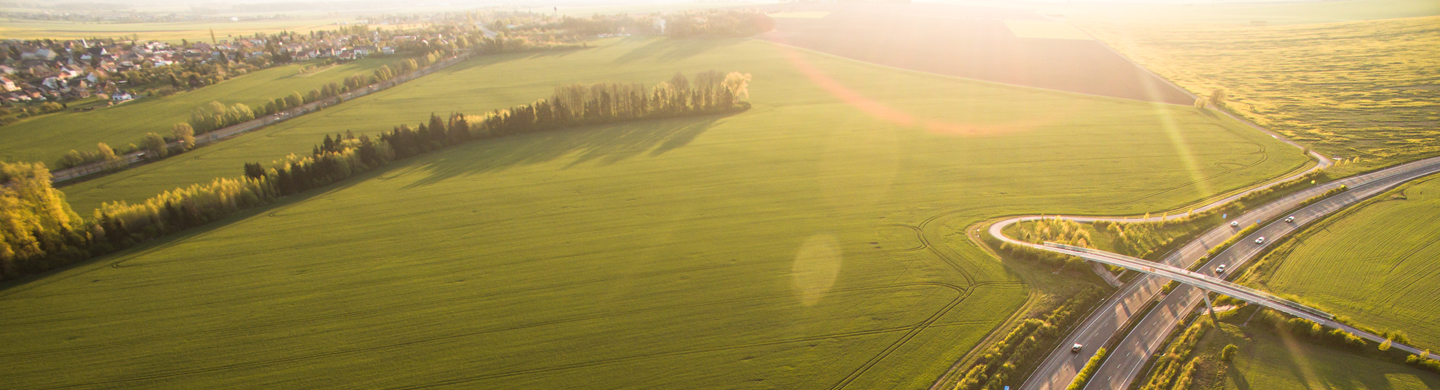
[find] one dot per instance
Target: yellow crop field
(1365, 90)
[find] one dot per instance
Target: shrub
(1228, 353)
(1091, 366)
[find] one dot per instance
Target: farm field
(493, 82)
(1350, 90)
(1004, 45)
(1377, 263)
(1270, 360)
(194, 31)
(48, 137)
(1243, 13)
(814, 240)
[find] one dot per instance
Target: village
(113, 71)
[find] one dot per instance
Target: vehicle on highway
(1220, 269)
(1234, 223)
(1260, 240)
(1290, 218)
(1076, 348)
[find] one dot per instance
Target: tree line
(1000, 363)
(718, 23)
(39, 232)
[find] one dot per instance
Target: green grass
(1350, 90)
(1269, 360)
(47, 137)
(1375, 263)
(804, 243)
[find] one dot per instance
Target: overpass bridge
(1199, 280)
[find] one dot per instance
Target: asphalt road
(1127, 358)
(1060, 366)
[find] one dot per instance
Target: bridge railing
(1170, 272)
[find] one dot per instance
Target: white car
(1234, 223)
(1220, 269)
(1290, 218)
(1076, 348)
(1260, 240)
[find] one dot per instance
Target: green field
(1350, 90)
(1269, 360)
(47, 137)
(812, 241)
(1377, 263)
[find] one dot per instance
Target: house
(120, 96)
(8, 85)
(41, 54)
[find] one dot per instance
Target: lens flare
(889, 114)
(816, 267)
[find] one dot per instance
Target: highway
(1131, 354)
(1059, 367)
(1196, 279)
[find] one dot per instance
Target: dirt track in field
(971, 42)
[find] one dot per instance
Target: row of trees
(1092, 365)
(1000, 363)
(1174, 369)
(102, 153)
(40, 232)
(216, 116)
(718, 23)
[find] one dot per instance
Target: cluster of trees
(187, 74)
(718, 23)
(1172, 371)
(1063, 231)
(578, 105)
(40, 109)
(1424, 362)
(216, 116)
(608, 24)
(575, 105)
(1307, 329)
(1059, 230)
(40, 232)
(101, 153)
(1136, 239)
(1000, 363)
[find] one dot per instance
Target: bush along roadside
(1083, 377)
(1170, 369)
(1000, 364)
(39, 232)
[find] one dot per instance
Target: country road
(1060, 366)
(222, 134)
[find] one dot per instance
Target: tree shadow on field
(672, 49)
(599, 144)
(117, 259)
